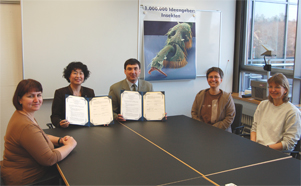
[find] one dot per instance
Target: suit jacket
(58, 103)
(115, 89)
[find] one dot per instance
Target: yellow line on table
(179, 181)
(62, 174)
(229, 170)
(170, 154)
(264, 162)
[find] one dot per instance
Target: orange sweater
(28, 151)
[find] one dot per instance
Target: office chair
(53, 180)
(50, 125)
(1, 182)
(296, 153)
(236, 126)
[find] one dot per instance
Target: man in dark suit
(132, 70)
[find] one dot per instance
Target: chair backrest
(237, 120)
(297, 149)
(54, 179)
(50, 125)
(1, 182)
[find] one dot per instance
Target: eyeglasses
(275, 87)
(215, 77)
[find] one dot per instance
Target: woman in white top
(277, 122)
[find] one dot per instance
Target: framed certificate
(89, 111)
(148, 106)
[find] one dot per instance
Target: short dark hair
(280, 79)
(215, 69)
(24, 87)
(73, 66)
(131, 61)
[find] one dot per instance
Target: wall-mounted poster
(169, 46)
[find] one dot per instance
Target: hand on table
(68, 140)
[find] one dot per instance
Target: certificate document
(89, 111)
(77, 110)
(142, 105)
(101, 110)
(130, 107)
(154, 105)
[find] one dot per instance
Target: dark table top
(179, 151)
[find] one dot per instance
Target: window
(248, 77)
(272, 25)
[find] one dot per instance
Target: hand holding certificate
(89, 111)
(143, 105)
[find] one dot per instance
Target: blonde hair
(280, 79)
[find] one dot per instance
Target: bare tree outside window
(272, 24)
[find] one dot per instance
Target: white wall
(10, 61)
(179, 94)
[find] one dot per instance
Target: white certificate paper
(131, 105)
(89, 111)
(77, 110)
(101, 111)
(154, 106)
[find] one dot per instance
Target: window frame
(241, 53)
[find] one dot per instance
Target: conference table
(179, 151)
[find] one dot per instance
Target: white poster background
(155, 13)
(153, 41)
(208, 42)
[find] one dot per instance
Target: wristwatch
(59, 141)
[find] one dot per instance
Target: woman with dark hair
(75, 73)
(29, 153)
(277, 122)
(213, 105)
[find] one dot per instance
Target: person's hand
(65, 138)
(64, 123)
(120, 118)
(68, 140)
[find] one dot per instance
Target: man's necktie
(134, 87)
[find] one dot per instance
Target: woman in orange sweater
(29, 153)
